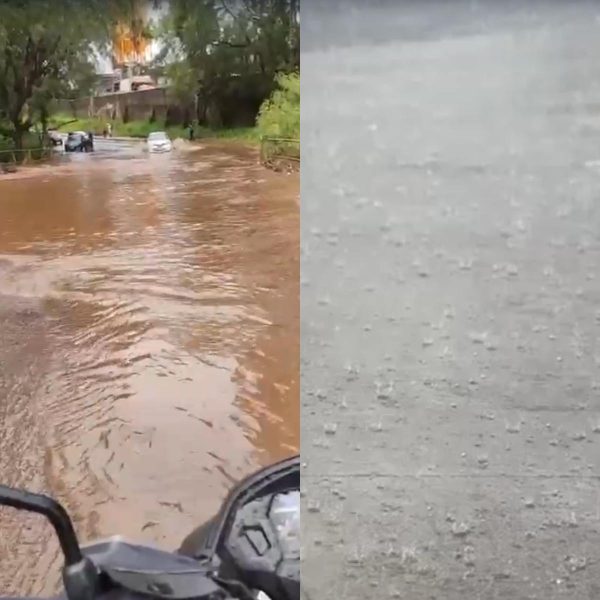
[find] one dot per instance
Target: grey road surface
(450, 301)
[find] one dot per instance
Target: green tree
(279, 115)
(221, 50)
(46, 50)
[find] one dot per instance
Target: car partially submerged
(79, 141)
(159, 141)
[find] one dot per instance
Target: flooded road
(149, 317)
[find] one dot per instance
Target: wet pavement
(149, 314)
(450, 301)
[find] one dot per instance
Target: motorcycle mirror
(80, 577)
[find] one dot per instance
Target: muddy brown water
(149, 313)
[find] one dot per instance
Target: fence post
(26, 155)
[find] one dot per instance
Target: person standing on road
(109, 129)
(191, 132)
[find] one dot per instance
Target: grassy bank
(31, 149)
(141, 129)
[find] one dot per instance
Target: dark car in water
(79, 141)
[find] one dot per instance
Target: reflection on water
(150, 312)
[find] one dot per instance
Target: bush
(31, 143)
(279, 115)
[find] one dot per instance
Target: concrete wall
(238, 109)
(140, 105)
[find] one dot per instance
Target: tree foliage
(279, 115)
(222, 51)
(46, 51)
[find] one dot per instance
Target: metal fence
(25, 156)
(275, 150)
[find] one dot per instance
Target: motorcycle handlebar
(115, 594)
(53, 511)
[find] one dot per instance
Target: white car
(158, 141)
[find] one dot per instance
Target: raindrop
(330, 428)
(384, 392)
(460, 529)
(513, 428)
(575, 563)
(351, 371)
(469, 556)
(478, 338)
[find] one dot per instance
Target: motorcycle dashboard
(264, 542)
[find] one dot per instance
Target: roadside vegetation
(279, 115)
(278, 122)
(141, 129)
(32, 148)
